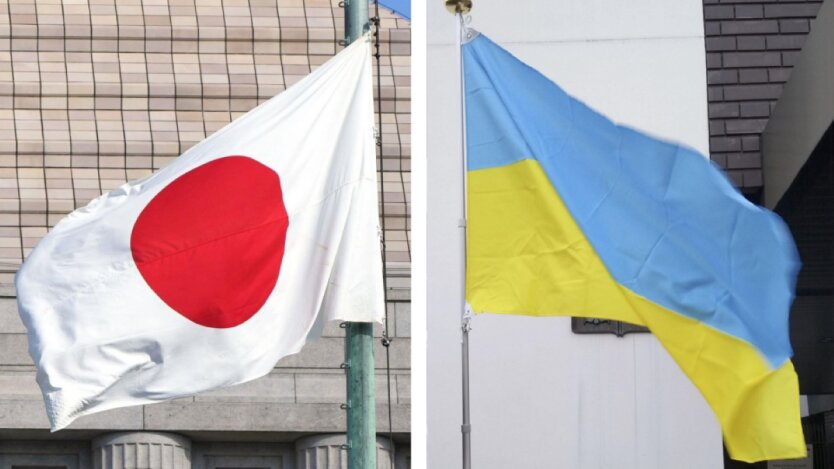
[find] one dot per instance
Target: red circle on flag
(210, 244)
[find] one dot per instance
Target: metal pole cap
(458, 6)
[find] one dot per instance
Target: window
(217, 455)
(22, 454)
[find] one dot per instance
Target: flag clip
(466, 319)
(467, 33)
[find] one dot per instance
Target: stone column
(326, 452)
(141, 450)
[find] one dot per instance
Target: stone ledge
(319, 418)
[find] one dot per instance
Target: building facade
(733, 79)
(94, 93)
(751, 47)
(798, 166)
(542, 395)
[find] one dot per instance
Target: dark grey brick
(722, 77)
(752, 92)
(794, 26)
(753, 75)
(712, 28)
(725, 144)
(715, 93)
(751, 43)
(749, 11)
(732, 160)
(750, 27)
(724, 110)
(721, 43)
(736, 177)
(718, 12)
(755, 109)
(779, 74)
(716, 128)
(744, 160)
(750, 1)
(720, 159)
(789, 58)
(750, 143)
(745, 126)
(752, 59)
(796, 10)
(713, 60)
(786, 42)
(752, 177)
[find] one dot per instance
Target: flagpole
(459, 8)
(359, 336)
(466, 318)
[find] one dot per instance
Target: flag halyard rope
(386, 337)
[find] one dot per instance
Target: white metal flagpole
(459, 8)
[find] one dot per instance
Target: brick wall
(751, 46)
(94, 93)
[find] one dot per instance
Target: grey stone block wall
(302, 394)
(751, 47)
(94, 94)
(301, 397)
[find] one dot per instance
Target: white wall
(541, 396)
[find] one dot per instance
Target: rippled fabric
(658, 230)
(209, 271)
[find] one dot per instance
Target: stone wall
(94, 93)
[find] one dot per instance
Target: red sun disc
(210, 244)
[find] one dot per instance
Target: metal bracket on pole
(466, 319)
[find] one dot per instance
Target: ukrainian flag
(572, 215)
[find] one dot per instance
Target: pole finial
(458, 6)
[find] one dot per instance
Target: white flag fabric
(209, 271)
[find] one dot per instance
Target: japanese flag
(209, 271)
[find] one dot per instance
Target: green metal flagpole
(361, 408)
(359, 336)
